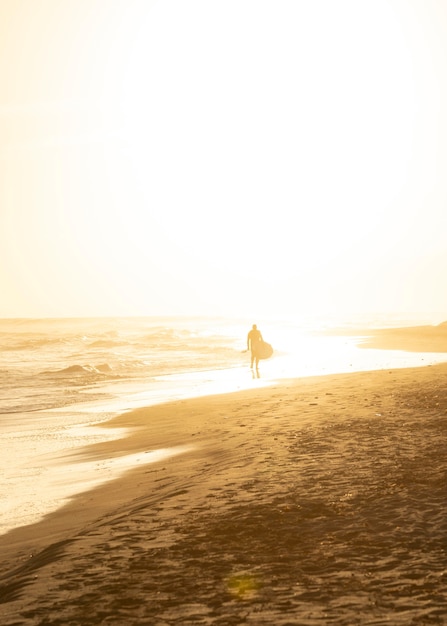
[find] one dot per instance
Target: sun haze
(246, 156)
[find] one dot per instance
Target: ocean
(62, 378)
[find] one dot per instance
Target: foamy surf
(34, 491)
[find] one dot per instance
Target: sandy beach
(314, 501)
(181, 181)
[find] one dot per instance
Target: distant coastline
(409, 339)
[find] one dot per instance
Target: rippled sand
(317, 501)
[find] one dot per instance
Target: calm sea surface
(60, 378)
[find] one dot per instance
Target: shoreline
(36, 483)
(48, 478)
(268, 455)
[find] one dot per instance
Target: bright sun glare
(189, 155)
(274, 125)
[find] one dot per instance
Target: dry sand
(316, 501)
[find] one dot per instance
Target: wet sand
(410, 339)
(315, 501)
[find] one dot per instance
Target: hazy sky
(222, 156)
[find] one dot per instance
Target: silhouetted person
(254, 339)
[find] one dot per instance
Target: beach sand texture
(315, 501)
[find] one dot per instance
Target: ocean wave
(133, 364)
(82, 370)
(162, 336)
(30, 343)
(106, 343)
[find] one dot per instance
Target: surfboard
(265, 350)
